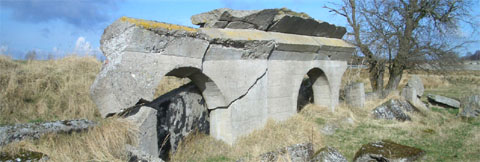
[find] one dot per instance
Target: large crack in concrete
(204, 56)
(244, 94)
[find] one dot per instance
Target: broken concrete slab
(295, 153)
(275, 20)
(443, 101)
(470, 107)
(18, 132)
(386, 150)
(394, 109)
(416, 83)
(355, 95)
(328, 154)
(146, 122)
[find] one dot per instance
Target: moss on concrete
(155, 25)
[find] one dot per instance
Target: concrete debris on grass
(20, 132)
(443, 101)
(470, 107)
(386, 150)
(328, 154)
(394, 109)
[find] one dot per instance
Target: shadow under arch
(210, 92)
(314, 88)
(178, 116)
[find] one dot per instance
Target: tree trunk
(396, 73)
(377, 69)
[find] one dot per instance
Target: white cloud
(3, 49)
(82, 46)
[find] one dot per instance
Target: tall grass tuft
(47, 90)
(106, 142)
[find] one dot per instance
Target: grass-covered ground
(33, 91)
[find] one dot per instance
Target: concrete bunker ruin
(246, 71)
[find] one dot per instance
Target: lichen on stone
(155, 25)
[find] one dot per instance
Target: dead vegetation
(106, 142)
(47, 90)
(36, 91)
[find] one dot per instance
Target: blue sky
(60, 27)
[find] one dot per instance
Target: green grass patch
(320, 121)
(218, 159)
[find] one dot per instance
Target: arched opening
(184, 97)
(314, 89)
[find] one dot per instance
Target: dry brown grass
(106, 142)
(58, 89)
(47, 90)
(169, 83)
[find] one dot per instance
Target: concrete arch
(321, 87)
(210, 91)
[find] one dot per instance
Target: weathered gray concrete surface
(275, 20)
(443, 101)
(245, 76)
(20, 132)
(328, 154)
(355, 95)
(146, 122)
(386, 150)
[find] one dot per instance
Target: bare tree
(401, 34)
(31, 55)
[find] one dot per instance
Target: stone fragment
(329, 129)
(470, 107)
(443, 101)
(307, 26)
(385, 150)
(416, 83)
(135, 155)
(240, 25)
(394, 109)
(294, 153)
(410, 94)
(208, 19)
(355, 95)
(328, 154)
(24, 155)
(20, 132)
(146, 121)
(261, 19)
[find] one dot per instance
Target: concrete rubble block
(329, 129)
(410, 94)
(386, 150)
(416, 83)
(328, 154)
(355, 95)
(275, 20)
(295, 153)
(135, 155)
(394, 109)
(470, 107)
(146, 121)
(307, 26)
(443, 101)
(18, 132)
(206, 19)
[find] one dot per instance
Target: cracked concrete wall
(245, 76)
